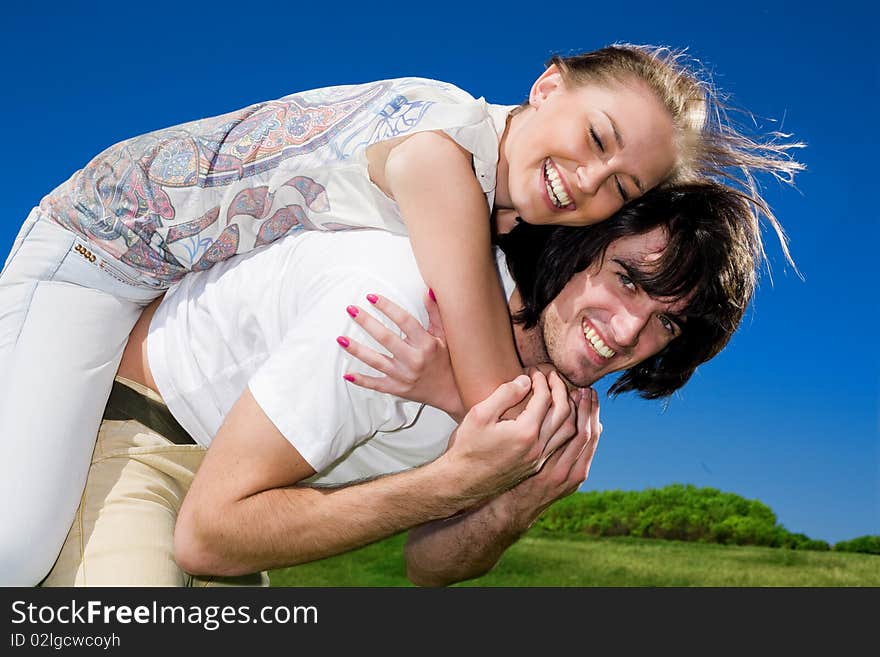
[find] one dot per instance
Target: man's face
(601, 322)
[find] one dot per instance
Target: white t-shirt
(268, 320)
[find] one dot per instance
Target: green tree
(678, 512)
(868, 544)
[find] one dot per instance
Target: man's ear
(549, 82)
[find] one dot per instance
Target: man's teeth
(554, 186)
(597, 343)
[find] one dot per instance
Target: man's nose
(626, 327)
(591, 176)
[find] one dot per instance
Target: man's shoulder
(377, 250)
(374, 256)
(371, 255)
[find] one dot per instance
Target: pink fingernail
(431, 294)
(352, 310)
(343, 342)
(348, 377)
(372, 298)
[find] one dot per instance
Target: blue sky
(788, 414)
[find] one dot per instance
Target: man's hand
(489, 455)
(564, 471)
(469, 544)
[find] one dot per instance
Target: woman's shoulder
(429, 87)
(389, 95)
(410, 84)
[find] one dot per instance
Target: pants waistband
(126, 403)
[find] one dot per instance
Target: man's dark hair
(711, 260)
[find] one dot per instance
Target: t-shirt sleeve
(300, 386)
(419, 105)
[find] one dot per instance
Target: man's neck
(527, 341)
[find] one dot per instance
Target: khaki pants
(123, 533)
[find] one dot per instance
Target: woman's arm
(432, 180)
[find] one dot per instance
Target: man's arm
(243, 512)
(469, 544)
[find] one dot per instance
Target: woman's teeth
(555, 189)
(597, 344)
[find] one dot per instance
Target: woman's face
(577, 154)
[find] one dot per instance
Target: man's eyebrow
(631, 266)
(635, 271)
(619, 139)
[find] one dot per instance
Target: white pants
(66, 310)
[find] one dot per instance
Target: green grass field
(545, 560)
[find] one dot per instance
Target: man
(244, 357)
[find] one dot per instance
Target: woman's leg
(63, 326)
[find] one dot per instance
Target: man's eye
(626, 281)
(596, 139)
(668, 325)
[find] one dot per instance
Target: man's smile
(595, 342)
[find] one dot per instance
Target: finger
(377, 383)
(581, 468)
(585, 413)
(380, 333)
(405, 321)
(502, 398)
(378, 361)
(595, 424)
(571, 461)
(435, 323)
(538, 405)
(559, 455)
(559, 396)
(575, 446)
(557, 429)
(563, 458)
(584, 461)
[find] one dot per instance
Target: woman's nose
(591, 177)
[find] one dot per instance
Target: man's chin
(579, 379)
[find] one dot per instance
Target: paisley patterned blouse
(185, 197)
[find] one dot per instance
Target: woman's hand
(418, 368)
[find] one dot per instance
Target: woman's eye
(626, 281)
(621, 190)
(596, 139)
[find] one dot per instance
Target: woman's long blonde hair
(710, 147)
